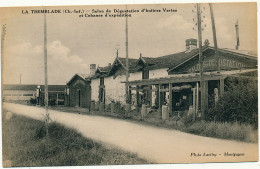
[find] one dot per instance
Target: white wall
(157, 73)
(18, 95)
(135, 76)
(115, 90)
(94, 89)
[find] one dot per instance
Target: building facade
(78, 91)
(14, 92)
(171, 80)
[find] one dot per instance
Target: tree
(238, 103)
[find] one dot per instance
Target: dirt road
(154, 144)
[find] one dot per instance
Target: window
(101, 81)
(145, 74)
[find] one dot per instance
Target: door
(79, 98)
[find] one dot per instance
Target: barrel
(143, 110)
(191, 110)
(127, 110)
(92, 106)
(101, 107)
(112, 108)
(97, 106)
(165, 112)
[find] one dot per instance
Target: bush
(119, 107)
(33, 101)
(224, 130)
(52, 102)
(237, 104)
(188, 120)
(108, 107)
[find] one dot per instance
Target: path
(155, 144)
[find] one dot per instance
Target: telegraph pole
(126, 54)
(3, 34)
(46, 100)
(19, 87)
(214, 37)
(237, 34)
(202, 105)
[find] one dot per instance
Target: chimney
(92, 69)
(191, 44)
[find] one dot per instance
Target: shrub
(108, 107)
(33, 101)
(188, 120)
(52, 102)
(197, 128)
(238, 103)
(224, 130)
(119, 107)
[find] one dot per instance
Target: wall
(157, 73)
(95, 88)
(135, 76)
(115, 90)
(15, 94)
(77, 85)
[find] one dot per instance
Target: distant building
(15, 92)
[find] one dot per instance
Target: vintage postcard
(129, 84)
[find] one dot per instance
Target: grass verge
(229, 131)
(25, 145)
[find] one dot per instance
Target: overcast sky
(74, 43)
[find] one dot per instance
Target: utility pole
(3, 34)
(214, 37)
(46, 100)
(117, 53)
(19, 87)
(237, 35)
(126, 54)
(202, 88)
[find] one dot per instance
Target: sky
(76, 42)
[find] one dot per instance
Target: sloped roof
(122, 61)
(32, 87)
(243, 52)
(82, 76)
(104, 69)
(131, 61)
(172, 60)
(149, 61)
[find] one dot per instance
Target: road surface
(154, 144)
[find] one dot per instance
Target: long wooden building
(24, 92)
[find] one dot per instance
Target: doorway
(79, 98)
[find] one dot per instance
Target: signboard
(224, 63)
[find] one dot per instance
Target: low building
(180, 89)
(16, 92)
(78, 91)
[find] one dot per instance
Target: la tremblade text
(214, 154)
